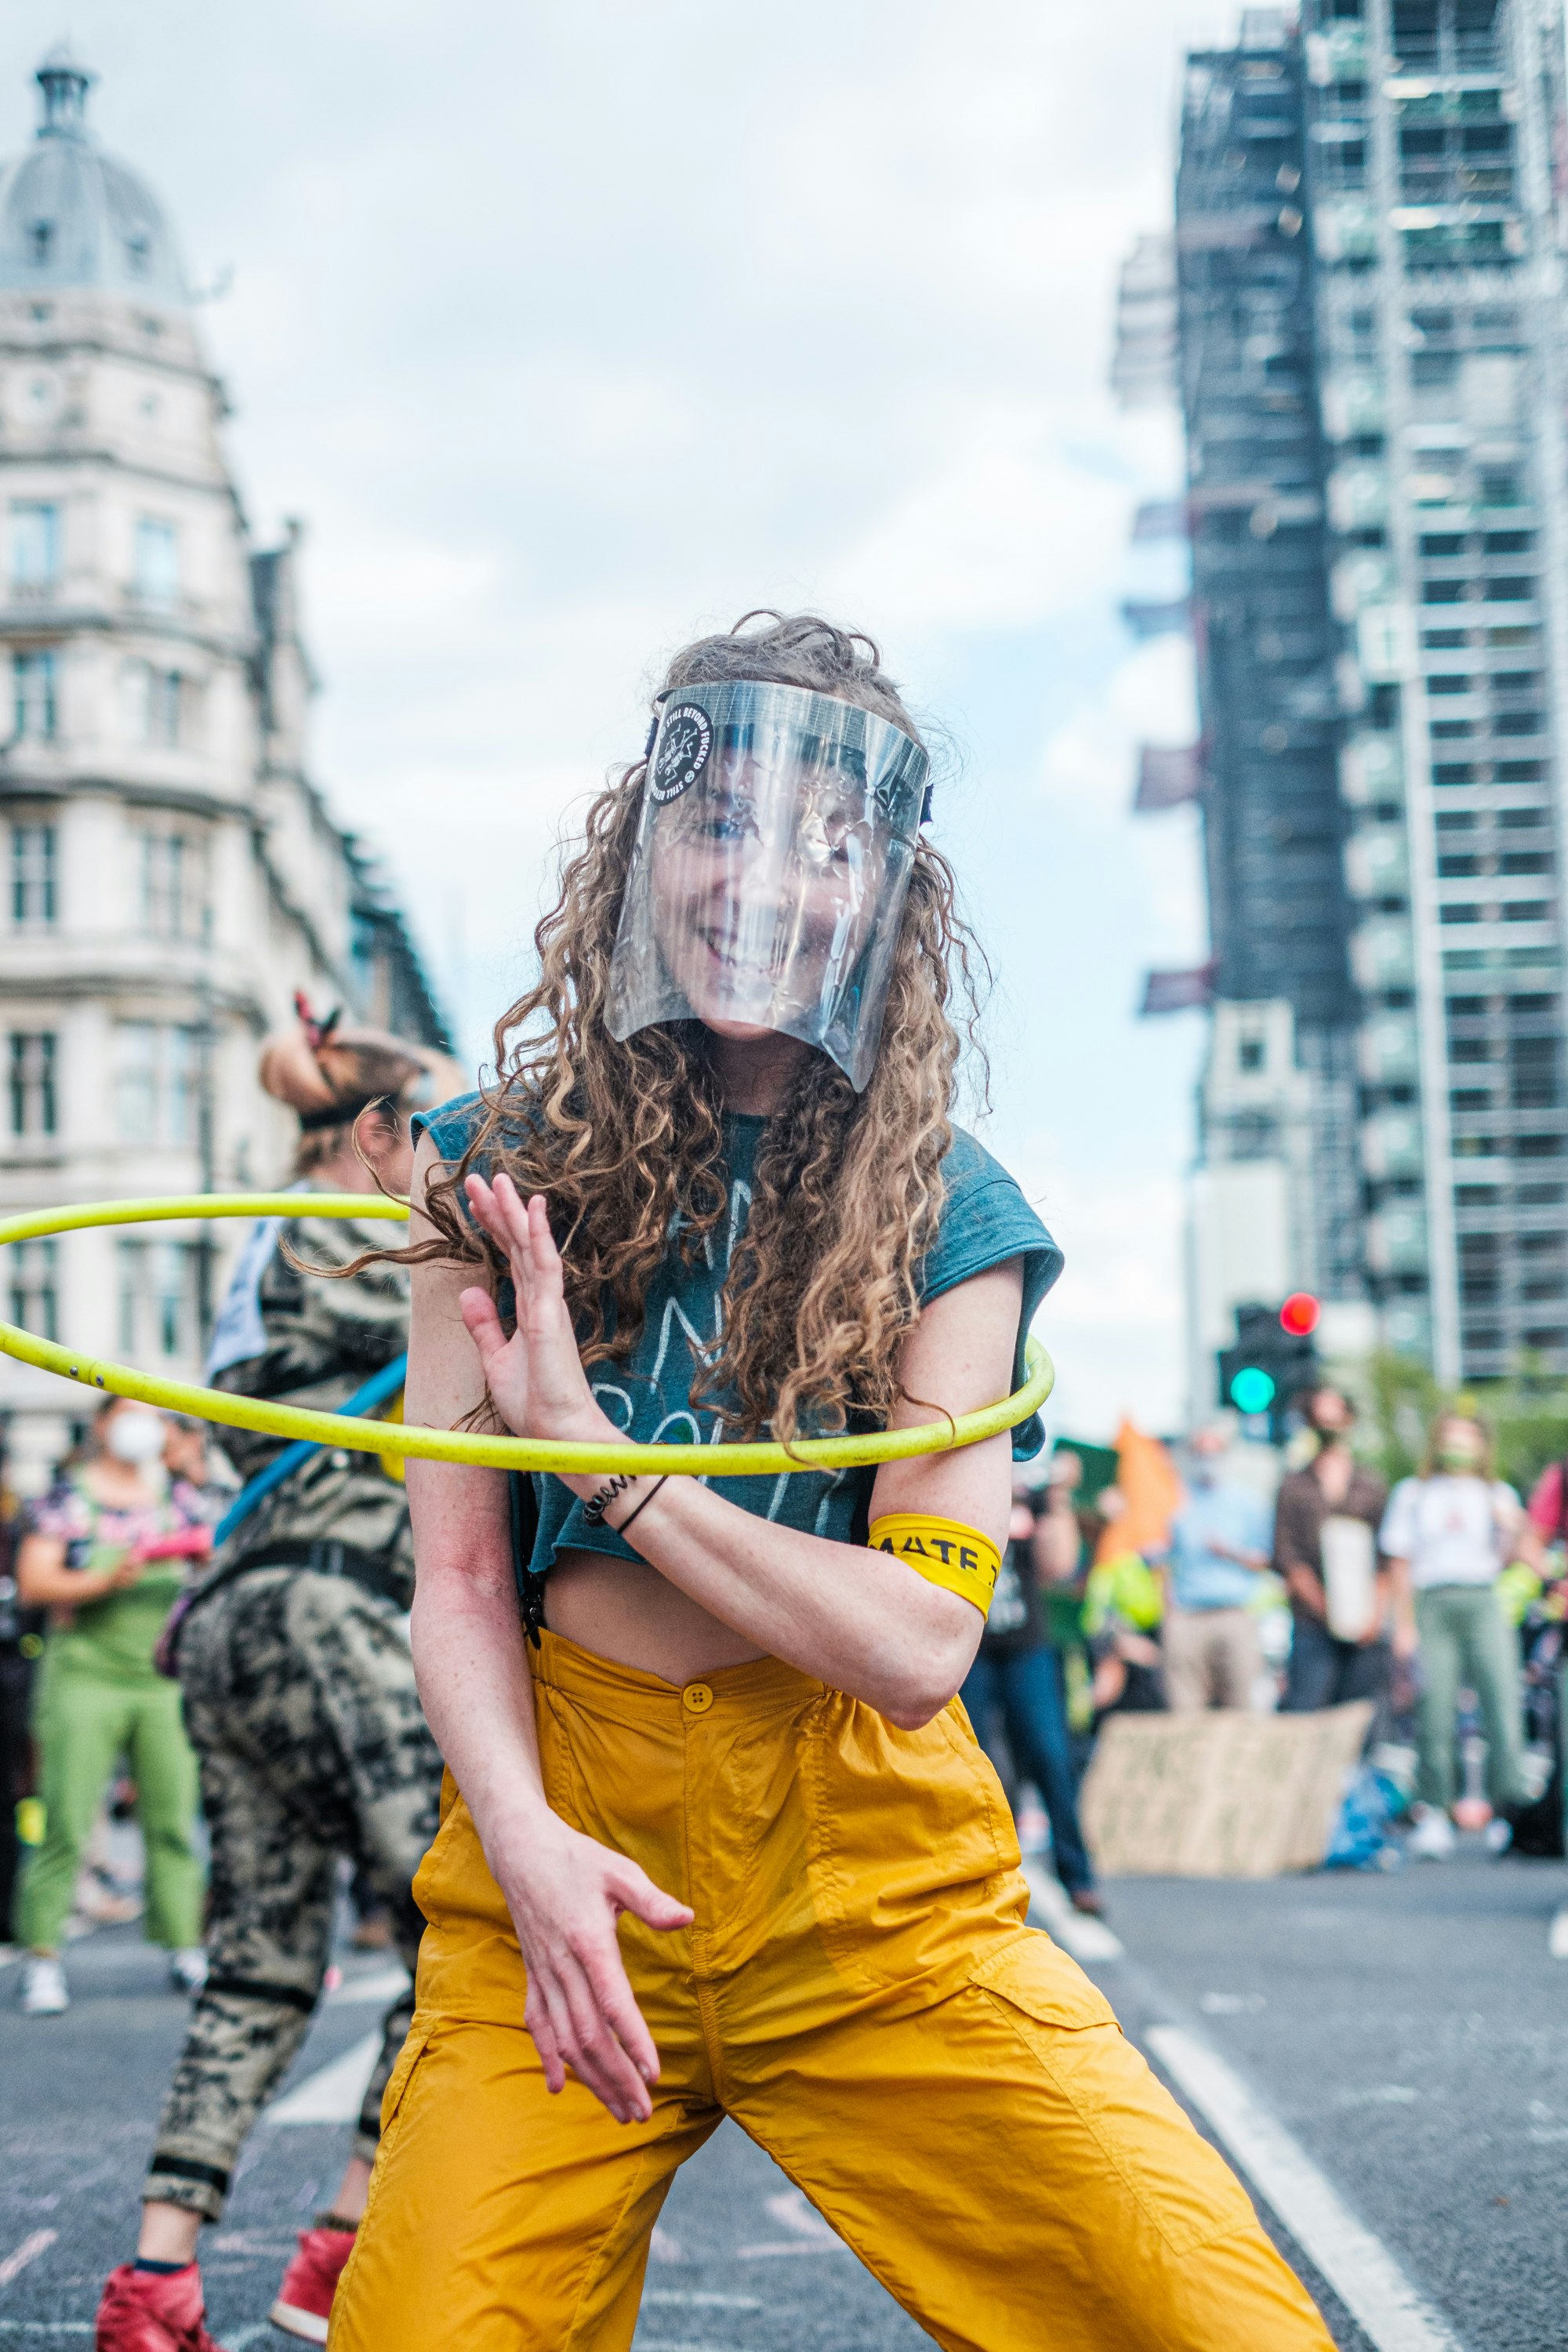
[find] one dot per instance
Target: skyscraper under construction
(1369, 273)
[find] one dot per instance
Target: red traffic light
(1299, 1314)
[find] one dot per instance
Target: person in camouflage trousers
(300, 1706)
(299, 1694)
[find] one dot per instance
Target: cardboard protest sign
(1222, 1795)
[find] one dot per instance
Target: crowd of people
(1329, 1590)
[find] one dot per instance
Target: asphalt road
(1405, 2033)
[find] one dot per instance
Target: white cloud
(1090, 762)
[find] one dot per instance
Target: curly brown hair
(624, 1139)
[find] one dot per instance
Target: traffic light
(1272, 1360)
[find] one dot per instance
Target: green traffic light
(1252, 1389)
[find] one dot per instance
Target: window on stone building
(174, 885)
(32, 1057)
(156, 1072)
(34, 1284)
(35, 896)
(34, 706)
(34, 545)
(158, 704)
(158, 1299)
(165, 695)
(156, 572)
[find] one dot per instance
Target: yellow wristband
(942, 1550)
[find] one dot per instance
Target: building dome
(72, 216)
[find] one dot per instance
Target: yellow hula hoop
(362, 1436)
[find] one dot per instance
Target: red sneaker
(305, 2297)
(146, 2311)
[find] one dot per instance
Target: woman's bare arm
(564, 1892)
(861, 1621)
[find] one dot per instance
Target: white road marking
(1356, 2264)
(332, 2095)
(381, 1985)
(685, 2343)
(810, 2233)
(1379, 2094)
(46, 2327)
(1557, 1935)
(793, 2246)
(259, 2330)
(28, 2252)
(1075, 1931)
(713, 2302)
(790, 2207)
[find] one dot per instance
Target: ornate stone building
(169, 874)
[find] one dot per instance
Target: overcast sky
(573, 330)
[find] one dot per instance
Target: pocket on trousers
(1036, 1977)
(900, 1825)
(402, 2075)
(557, 1763)
(453, 1884)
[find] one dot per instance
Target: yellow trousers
(859, 1991)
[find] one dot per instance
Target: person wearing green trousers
(105, 1552)
(1448, 1535)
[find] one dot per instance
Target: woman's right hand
(565, 1893)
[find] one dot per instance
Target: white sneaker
(1557, 1935)
(44, 1992)
(1432, 1838)
(1498, 1835)
(188, 1971)
(1535, 1769)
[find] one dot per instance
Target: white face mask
(136, 1437)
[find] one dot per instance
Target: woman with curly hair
(716, 1835)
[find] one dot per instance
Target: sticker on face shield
(685, 741)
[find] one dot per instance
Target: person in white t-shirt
(1448, 1535)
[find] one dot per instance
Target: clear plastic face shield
(768, 878)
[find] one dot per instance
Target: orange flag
(1147, 1478)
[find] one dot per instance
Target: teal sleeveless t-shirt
(985, 1220)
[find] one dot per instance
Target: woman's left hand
(536, 1376)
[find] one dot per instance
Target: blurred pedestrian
(105, 1552)
(299, 1690)
(1219, 1547)
(1326, 1520)
(1449, 1533)
(1015, 1683)
(1124, 1608)
(1543, 1543)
